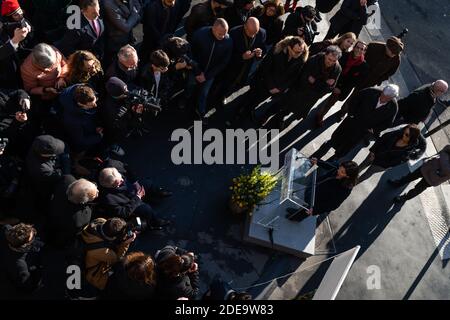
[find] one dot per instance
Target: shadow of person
(368, 221)
(315, 132)
(425, 268)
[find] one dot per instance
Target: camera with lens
(134, 225)
(308, 34)
(11, 26)
(137, 97)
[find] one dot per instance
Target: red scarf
(352, 62)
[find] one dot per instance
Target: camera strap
(210, 55)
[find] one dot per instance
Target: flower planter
(236, 209)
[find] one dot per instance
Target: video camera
(150, 103)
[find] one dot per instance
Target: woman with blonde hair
(344, 42)
(84, 67)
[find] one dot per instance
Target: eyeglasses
(360, 48)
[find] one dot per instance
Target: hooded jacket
(99, 262)
(45, 172)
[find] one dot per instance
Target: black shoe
(395, 183)
(400, 199)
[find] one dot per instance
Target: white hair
(391, 91)
(108, 177)
(126, 52)
(81, 191)
(44, 55)
(334, 50)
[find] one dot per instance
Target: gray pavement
(404, 243)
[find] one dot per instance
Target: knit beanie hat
(116, 87)
(9, 7)
(395, 45)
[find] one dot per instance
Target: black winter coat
(417, 106)
(212, 55)
(20, 135)
(159, 21)
(67, 219)
(119, 202)
(330, 193)
(315, 67)
(148, 82)
(351, 17)
(80, 125)
(23, 268)
(273, 27)
(84, 38)
(387, 154)
(294, 21)
(186, 285)
(201, 15)
(362, 117)
(120, 19)
(238, 69)
(277, 71)
(9, 64)
(120, 286)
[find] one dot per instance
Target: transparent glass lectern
(298, 176)
(269, 226)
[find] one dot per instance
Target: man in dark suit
(161, 18)
(10, 45)
(371, 111)
(351, 17)
(249, 46)
(416, 107)
(90, 34)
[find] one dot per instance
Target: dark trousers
(146, 212)
(420, 187)
(251, 99)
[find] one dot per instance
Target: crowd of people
(70, 95)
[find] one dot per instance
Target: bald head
(251, 27)
(440, 87)
(220, 28)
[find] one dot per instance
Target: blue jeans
(203, 92)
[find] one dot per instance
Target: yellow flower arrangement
(249, 190)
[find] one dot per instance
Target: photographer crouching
(126, 113)
(127, 198)
(105, 243)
